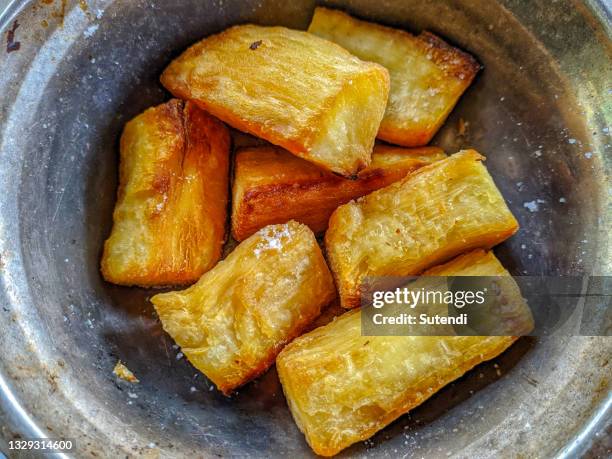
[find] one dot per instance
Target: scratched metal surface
(74, 72)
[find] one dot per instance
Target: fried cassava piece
(427, 75)
(292, 88)
(273, 186)
(233, 322)
(432, 215)
(343, 387)
(169, 219)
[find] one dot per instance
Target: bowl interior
(100, 68)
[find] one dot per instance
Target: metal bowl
(74, 72)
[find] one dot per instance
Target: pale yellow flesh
(343, 387)
(432, 215)
(240, 314)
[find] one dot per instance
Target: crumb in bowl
(123, 372)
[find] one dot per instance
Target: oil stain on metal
(11, 44)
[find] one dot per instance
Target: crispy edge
(269, 195)
(287, 195)
(183, 114)
(227, 386)
(454, 63)
(218, 141)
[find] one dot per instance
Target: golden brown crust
(453, 61)
(272, 186)
(240, 314)
(427, 74)
(432, 215)
(314, 98)
(169, 220)
(343, 387)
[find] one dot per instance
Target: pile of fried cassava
(320, 99)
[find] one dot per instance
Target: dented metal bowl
(72, 73)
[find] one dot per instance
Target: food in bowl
(343, 387)
(273, 186)
(436, 213)
(427, 74)
(385, 210)
(233, 322)
(294, 89)
(169, 220)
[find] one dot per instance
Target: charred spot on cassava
(453, 61)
